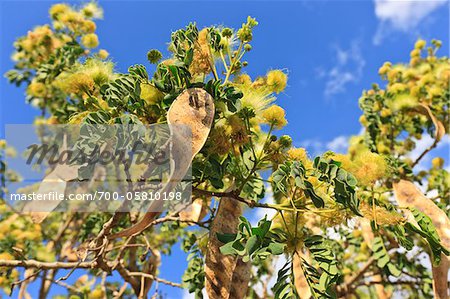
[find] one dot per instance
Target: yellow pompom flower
(385, 112)
(202, 60)
(260, 82)
(275, 116)
(220, 142)
(415, 53)
(103, 54)
(88, 26)
(437, 163)
(100, 71)
(276, 81)
(435, 91)
(150, 94)
(298, 154)
(238, 130)
(92, 10)
(243, 79)
(71, 19)
(397, 87)
(392, 74)
(58, 9)
(6, 256)
(368, 167)
(385, 68)
(381, 215)
(363, 120)
(37, 89)
(402, 101)
(414, 61)
(256, 99)
(420, 44)
(78, 82)
(90, 40)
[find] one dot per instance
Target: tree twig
(47, 265)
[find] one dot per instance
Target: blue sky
(331, 50)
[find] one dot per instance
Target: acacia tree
(349, 225)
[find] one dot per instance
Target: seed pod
(408, 195)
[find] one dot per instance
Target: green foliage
(281, 180)
(322, 280)
(428, 232)
(382, 256)
(284, 288)
(251, 243)
(183, 43)
(194, 276)
(224, 93)
(92, 225)
(172, 79)
(344, 182)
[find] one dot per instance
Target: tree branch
(46, 265)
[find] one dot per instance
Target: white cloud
(402, 15)
(338, 144)
(348, 69)
(315, 147)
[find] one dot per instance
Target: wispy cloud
(402, 15)
(316, 147)
(348, 68)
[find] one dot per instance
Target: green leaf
(321, 285)
(253, 243)
(225, 238)
(284, 286)
(394, 270)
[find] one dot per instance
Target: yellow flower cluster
(76, 83)
(39, 43)
(380, 215)
(258, 95)
(219, 141)
(103, 54)
(366, 166)
(90, 40)
(84, 78)
(437, 162)
(274, 116)
(79, 22)
(298, 154)
(202, 60)
(150, 94)
(422, 82)
(37, 89)
(276, 80)
(237, 130)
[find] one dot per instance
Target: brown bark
(227, 277)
